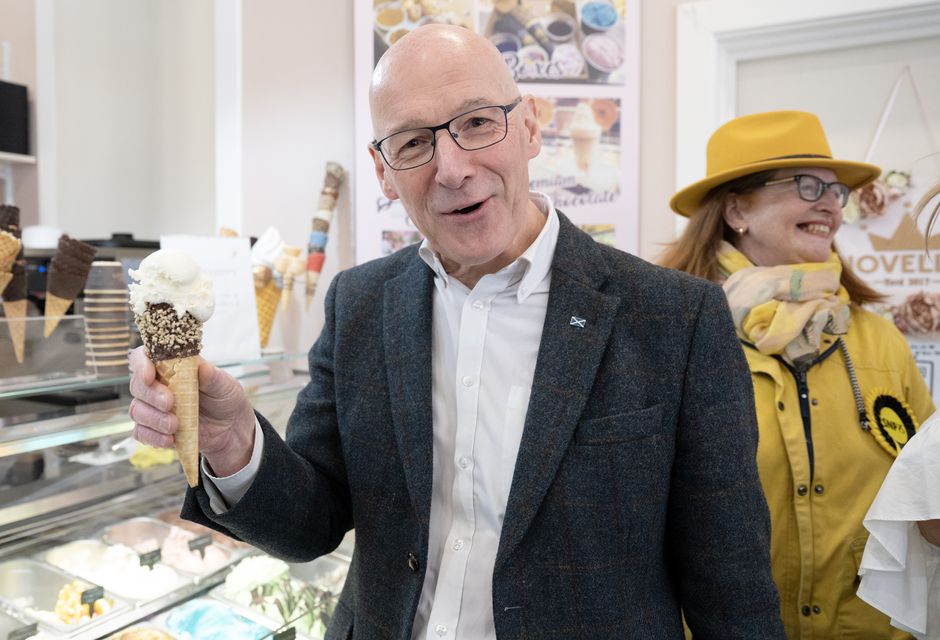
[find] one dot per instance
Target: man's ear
(380, 169)
(533, 129)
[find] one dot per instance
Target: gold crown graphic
(907, 237)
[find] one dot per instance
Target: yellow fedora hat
(763, 141)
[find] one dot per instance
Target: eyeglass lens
(812, 189)
(473, 130)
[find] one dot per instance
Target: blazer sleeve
(298, 507)
(719, 524)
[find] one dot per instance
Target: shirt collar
(534, 263)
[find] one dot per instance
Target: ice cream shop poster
(579, 58)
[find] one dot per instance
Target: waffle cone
(55, 309)
(16, 320)
(5, 280)
(266, 298)
(181, 375)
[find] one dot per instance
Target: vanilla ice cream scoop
(172, 277)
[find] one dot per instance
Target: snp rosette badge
(893, 422)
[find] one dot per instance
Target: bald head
(435, 56)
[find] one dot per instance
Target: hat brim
(853, 174)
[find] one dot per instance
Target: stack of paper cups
(107, 315)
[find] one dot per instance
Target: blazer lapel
(407, 342)
(578, 323)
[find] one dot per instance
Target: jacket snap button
(780, 406)
(819, 489)
(805, 610)
(802, 490)
(816, 609)
(413, 561)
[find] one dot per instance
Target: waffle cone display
(55, 309)
(15, 311)
(266, 299)
(181, 375)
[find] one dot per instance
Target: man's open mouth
(470, 209)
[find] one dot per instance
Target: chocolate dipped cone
(181, 375)
(15, 311)
(55, 309)
(68, 272)
(266, 299)
(173, 343)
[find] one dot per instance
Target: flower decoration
(919, 314)
(871, 200)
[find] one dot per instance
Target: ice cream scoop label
(91, 596)
(150, 558)
(24, 632)
(199, 544)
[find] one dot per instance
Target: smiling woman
(762, 224)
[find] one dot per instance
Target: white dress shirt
(485, 346)
(900, 570)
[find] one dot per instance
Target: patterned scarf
(785, 309)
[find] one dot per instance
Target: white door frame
(713, 36)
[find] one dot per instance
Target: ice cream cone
(55, 309)
(181, 375)
(5, 280)
(266, 299)
(16, 321)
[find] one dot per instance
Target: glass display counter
(91, 545)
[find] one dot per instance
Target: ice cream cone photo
(171, 300)
(585, 132)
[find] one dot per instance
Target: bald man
(534, 436)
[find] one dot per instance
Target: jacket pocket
(341, 626)
(857, 620)
(621, 427)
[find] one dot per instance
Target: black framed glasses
(811, 188)
(476, 129)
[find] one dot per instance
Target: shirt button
(478, 305)
(440, 630)
(467, 381)
(805, 610)
(819, 489)
(458, 544)
(464, 462)
(802, 490)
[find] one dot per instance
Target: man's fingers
(216, 384)
(148, 436)
(153, 418)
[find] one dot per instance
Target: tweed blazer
(635, 493)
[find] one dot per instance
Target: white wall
(133, 117)
(17, 26)
(297, 114)
(848, 88)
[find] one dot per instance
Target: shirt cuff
(224, 493)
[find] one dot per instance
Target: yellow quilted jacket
(817, 535)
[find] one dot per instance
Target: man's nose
(452, 162)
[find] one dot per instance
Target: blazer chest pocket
(621, 427)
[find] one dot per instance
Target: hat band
(803, 155)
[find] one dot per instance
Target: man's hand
(226, 419)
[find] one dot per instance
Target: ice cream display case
(91, 544)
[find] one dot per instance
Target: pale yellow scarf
(785, 309)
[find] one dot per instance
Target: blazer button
(413, 563)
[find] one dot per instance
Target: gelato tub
(205, 619)
(116, 568)
(171, 517)
(146, 534)
(52, 597)
(266, 586)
